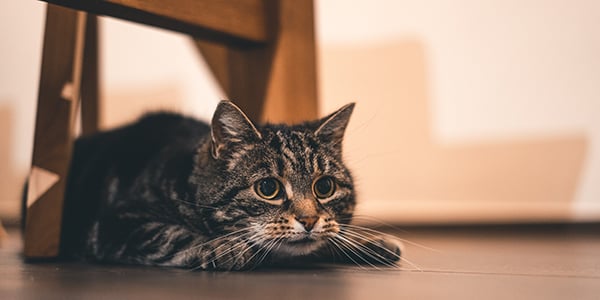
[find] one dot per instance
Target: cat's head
(287, 186)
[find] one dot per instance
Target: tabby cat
(169, 190)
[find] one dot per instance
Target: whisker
(369, 253)
(378, 221)
(268, 248)
(341, 248)
(244, 232)
(333, 251)
(263, 249)
(255, 242)
(349, 248)
(377, 232)
(220, 238)
(367, 239)
(240, 255)
(245, 236)
(234, 248)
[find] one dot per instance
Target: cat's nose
(308, 221)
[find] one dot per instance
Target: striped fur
(172, 191)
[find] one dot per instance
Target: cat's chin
(299, 247)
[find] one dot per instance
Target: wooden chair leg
(90, 110)
(54, 129)
(276, 82)
(242, 73)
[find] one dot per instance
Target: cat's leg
(156, 243)
(228, 253)
(388, 249)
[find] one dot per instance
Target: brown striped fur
(169, 190)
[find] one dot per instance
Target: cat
(169, 190)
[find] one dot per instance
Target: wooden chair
(262, 52)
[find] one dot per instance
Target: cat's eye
(268, 188)
(324, 187)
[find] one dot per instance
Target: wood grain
(517, 263)
(276, 82)
(224, 21)
(61, 68)
(292, 90)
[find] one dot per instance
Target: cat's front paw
(387, 250)
(367, 250)
(225, 256)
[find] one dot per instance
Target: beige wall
(20, 46)
(467, 111)
(491, 109)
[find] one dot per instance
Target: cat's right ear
(231, 126)
(332, 127)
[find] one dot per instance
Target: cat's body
(170, 190)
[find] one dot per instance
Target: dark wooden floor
(508, 263)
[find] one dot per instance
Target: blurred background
(467, 111)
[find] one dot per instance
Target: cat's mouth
(301, 245)
(306, 240)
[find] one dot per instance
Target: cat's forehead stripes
(287, 160)
(297, 151)
(286, 150)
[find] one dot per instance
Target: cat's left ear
(332, 127)
(230, 126)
